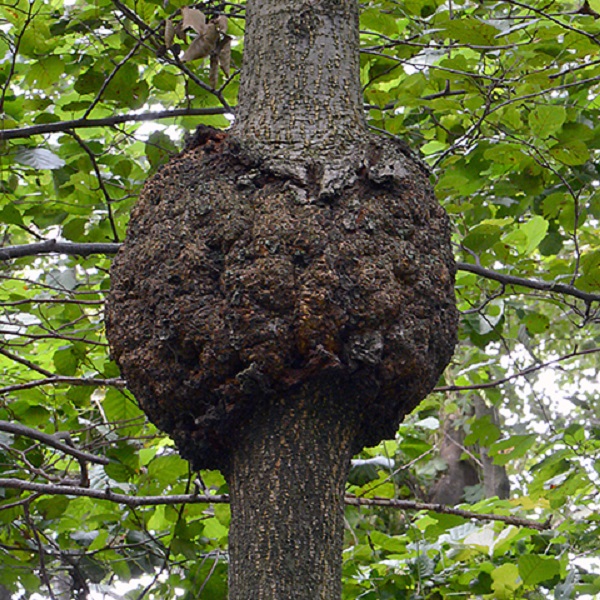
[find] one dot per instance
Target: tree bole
(286, 482)
(285, 296)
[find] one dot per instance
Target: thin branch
(55, 247)
(534, 284)
(135, 501)
(62, 126)
(53, 441)
(116, 382)
(41, 552)
(523, 373)
(25, 362)
(103, 189)
(443, 509)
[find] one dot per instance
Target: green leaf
(505, 581)
(528, 235)
(65, 361)
(484, 235)
(482, 431)
(118, 406)
(589, 280)
(546, 119)
(11, 215)
(514, 447)
(571, 153)
(471, 30)
(535, 569)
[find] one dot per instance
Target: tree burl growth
(237, 285)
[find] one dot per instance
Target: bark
(495, 479)
(300, 83)
(287, 483)
(300, 97)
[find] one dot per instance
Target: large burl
(237, 286)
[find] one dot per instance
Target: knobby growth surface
(237, 285)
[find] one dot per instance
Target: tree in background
(500, 98)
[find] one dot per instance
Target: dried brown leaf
(194, 19)
(221, 23)
(225, 55)
(169, 33)
(202, 45)
(213, 77)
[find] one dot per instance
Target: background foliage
(501, 99)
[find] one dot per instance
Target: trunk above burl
(285, 295)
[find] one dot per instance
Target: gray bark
(300, 94)
(300, 107)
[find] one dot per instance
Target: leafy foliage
(501, 99)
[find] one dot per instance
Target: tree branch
(135, 501)
(51, 440)
(25, 132)
(116, 382)
(534, 284)
(523, 373)
(443, 509)
(54, 247)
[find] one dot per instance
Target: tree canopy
(500, 99)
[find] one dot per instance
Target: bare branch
(25, 362)
(523, 373)
(54, 247)
(134, 501)
(534, 284)
(103, 189)
(25, 132)
(443, 509)
(116, 382)
(51, 440)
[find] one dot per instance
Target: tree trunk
(287, 479)
(285, 296)
(300, 101)
(300, 94)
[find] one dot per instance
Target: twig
(523, 373)
(107, 198)
(54, 247)
(534, 284)
(447, 510)
(116, 382)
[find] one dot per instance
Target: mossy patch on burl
(238, 284)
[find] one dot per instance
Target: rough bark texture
(287, 485)
(285, 296)
(301, 63)
(236, 286)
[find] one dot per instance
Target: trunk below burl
(287, 480)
